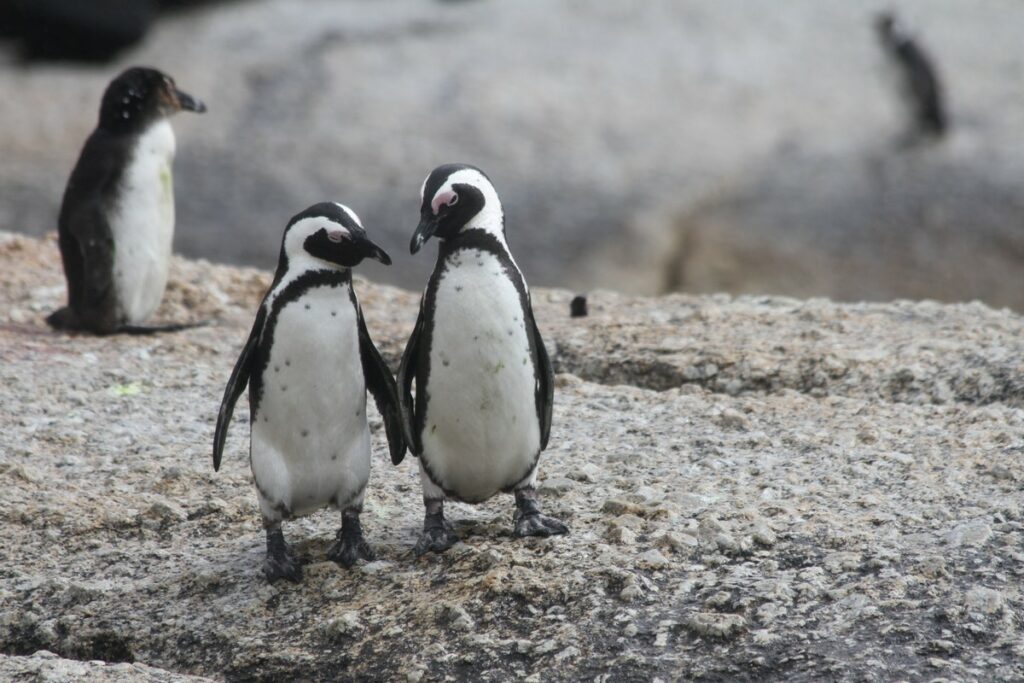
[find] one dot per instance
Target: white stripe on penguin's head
(301, 230)
(350, 212)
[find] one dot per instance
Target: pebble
(714, 624)
(556, 486)
(676, 542)
(971, 533)
(343, 627)
(730, 418)
(653, 559)
(630, 592)
(587, 472)
(622, 535)
(984, 600)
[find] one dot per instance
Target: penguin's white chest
(142, 224)
(481, 433)
(310, 438)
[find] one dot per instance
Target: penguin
(919, 81)
(308, 363)
(116, 221)
(484, 384)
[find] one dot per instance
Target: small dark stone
(307, 307)
(305, 433)
(578, 307)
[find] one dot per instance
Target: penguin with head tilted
(116, 222)
(308, 363)
(917, 78)
(484, 384)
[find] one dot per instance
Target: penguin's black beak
(424, 231)
(371, 250)
(186, 101)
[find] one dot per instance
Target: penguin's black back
(90, 197)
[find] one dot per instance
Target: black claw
(281, 562)
(438, 535)
(530, 522)
(538, 525)
(350, 546)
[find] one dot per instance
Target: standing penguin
(116, 222)
(308, 362)
(484, 384)
(917, 77)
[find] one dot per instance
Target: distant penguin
(917, 76)
(484, 382)
(116, 222)
(308, 363)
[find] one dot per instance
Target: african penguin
(918, 81)
(116, 222)
(308, 362)
(484, 383)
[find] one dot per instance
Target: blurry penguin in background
(116, 223)
(918, 80)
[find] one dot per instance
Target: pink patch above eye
(441, 198)
(335, 235)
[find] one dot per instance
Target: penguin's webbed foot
(438, 535)
(350, 545)
(530, 522)
(281, 562)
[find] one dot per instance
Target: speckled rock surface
(762, 489)
(46, 667)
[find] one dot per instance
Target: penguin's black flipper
(87, 251)
(545, 392)
(236, 385)
(381, 384)
(406, 375)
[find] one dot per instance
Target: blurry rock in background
(930, 226)
(646, 147)
(79, 30)
(93, 30)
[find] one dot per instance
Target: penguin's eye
(453, 200)
(336, 235)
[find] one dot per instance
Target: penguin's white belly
(310, 440)
(481, 431)
(142, 224)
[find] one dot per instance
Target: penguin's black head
(887, 27)
(140, 96)
(327, 235)
(455, 197)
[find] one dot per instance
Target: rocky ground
(758, 488)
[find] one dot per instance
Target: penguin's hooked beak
(371, 250)
(424, 231)
(186, 101)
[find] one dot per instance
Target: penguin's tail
(62, 319)
(158, 329)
